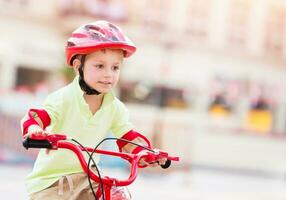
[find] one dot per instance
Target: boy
(86, 110)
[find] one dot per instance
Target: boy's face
(102, 68)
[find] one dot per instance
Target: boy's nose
(108, 72)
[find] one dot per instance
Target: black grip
(30, 143)
(167, 164)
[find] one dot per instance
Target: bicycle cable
(90, 158)
(99, 175)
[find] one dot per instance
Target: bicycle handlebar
(55, 141)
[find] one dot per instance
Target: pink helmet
(97, 35)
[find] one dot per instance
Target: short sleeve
(52, 106)
(121, 123)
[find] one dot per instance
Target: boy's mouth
(105, 82)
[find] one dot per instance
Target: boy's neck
(94, 101)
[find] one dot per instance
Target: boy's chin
(104, 91)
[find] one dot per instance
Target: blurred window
(275, 30)
(113, 10)
(225, 95)
(69, 7)
(259, 117)
(155, 14)
(220, 105)
(162, 96)
(16, 2)
(239, 13)
(107, 9)
(27, 79)
(14, 5)
(172, 97)
(198, 18)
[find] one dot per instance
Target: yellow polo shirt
(70, 115)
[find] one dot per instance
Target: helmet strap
(83, 85)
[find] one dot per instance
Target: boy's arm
(35, 120)
(122, 128)
(134, 149)
(136, 138)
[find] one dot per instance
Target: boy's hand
(142, 162)
(37, 130)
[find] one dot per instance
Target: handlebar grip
(167, 164)
(30, 143)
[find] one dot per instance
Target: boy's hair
(97, 35)
(79, 56)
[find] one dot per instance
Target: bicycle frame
(55, 141)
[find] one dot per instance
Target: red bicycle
(106, 183)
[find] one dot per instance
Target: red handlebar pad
(52, 137)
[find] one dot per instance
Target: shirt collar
(107, 99)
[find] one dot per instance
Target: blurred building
(191, 53)
(236, 37)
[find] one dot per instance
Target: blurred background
(207, 83)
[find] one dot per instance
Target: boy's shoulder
(60, 93)
(118, 103)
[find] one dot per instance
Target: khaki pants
(70, 187)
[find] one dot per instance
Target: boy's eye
(115, 68)
(99, 66)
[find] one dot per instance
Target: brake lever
(157, 154)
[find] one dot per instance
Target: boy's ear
(76, 65)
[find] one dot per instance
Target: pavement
(196, 184)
